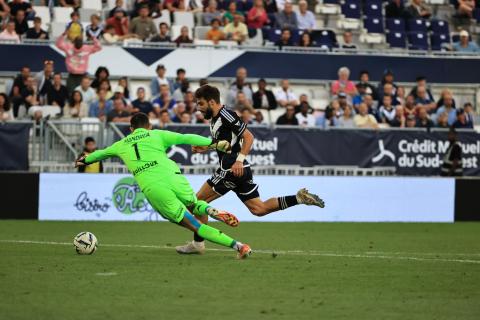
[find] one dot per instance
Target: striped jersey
(227, 125)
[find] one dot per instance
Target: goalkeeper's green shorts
(171, 196)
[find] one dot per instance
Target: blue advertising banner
(14, 146)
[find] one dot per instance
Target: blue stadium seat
(439, 26)
(373, 25)
(418, 41)
(396, 40)
(417, 25)
(476, 14)
(436, 40)
(395, 25)
(373, 9)
(351, 9)
(324, 38)
(275, 34)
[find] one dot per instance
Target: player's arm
(96, 156)
(173, 138)
(237, 167)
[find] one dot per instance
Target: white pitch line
(263, 251)
(106, 274)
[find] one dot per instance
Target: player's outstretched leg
(214, 235)
(202, 208)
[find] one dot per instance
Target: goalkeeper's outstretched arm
(172, 138)
(96, 156)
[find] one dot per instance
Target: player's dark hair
(89, 139)
(139, 120)
(208, 93)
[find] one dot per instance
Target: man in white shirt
(305, 18)
(88, 94)
(304, 118)
(285, 96)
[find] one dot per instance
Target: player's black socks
(287, 201)
(197, 238)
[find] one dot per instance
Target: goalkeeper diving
(160, 179)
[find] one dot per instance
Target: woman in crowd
(102, 73)
(6, 113)
(343, 84)
(75, 108)
(123, 82)
(305, 40)
(346, 119)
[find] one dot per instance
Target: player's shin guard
(216, 236)
(201, 208)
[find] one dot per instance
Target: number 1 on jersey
(135, 146)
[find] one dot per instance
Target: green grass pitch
(302, 271)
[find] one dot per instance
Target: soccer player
(159, 178)
(234, 171)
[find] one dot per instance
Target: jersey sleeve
(233, 122)
(170, 138)
(102, 154)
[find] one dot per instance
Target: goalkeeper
(159, 178)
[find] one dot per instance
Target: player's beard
(208, 113)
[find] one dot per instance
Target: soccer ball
(85, 243)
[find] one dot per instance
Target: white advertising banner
(359, 199)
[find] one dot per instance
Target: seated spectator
(211, 12)
(465, 8)
(305, 40)
(159, 80)
(461, 121)
(4, 12)
(361, 92)
(303, 99)
(16, 5)
(101, 106)
(164, 118)
(119, 112)
(389, 90)
(424, 100)
(215, 34)
(75, 4)
(448, 108)
(343, 101)
(465, 45)
(199, 118)
(142, 105)
(163, 36)
(236, 30)
(88, 94)
(101, 73)
(304, 118)
(164, 101)
(186, 118)
(421, 82)
(258, 118)
(400, 93)
(369, 88)
(143, 25)
(399, 120)
(286, 18)
(306, 18)
(36, 32)
(241, 103)
(58, 93)
(29, 96)
(271, 6)
(229, 15)
(387, 111)
(410, 106)
(343, 84)
(95, 28)
(239, 86)
(442, 95)
(346, 119)
(246, 115)
(423, 119)
(411, 121)
(174, 5)
(176, 112)
(387, 78)
(6, 112)
(89, 147)
(118, 5)
(44, 81)
(21, 26)
(75, 108)
(110, 37)
(257, 16)
(74, 28)
(288, 118)
(347, 41)
(105, 84)
(179, 93)
(183, 37)
(363, 119)
(19, 83)
(285, 39)
(119, 21)
(263, 98)
(371, 105)
(418, 10)
(189, 101)
(119, 93)
(395, 9)
(123, 82)
(469, 112)
(285, 96)
(442, 120)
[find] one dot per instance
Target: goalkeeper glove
(222, 146)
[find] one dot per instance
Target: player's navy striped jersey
(227, 125)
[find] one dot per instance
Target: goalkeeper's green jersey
(144, 153)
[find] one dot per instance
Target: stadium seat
(395, 25)
(417, 41)
(175, 31)
(62, 14)
(373, 9)
(203, 42)
(417, 25)
(275, 34)
(57, 28)
(44, 14)
(183, 19)
(228, 44)
(373, 25)
(85, 14)
(396, 40)
(201, 32)
(437, 40)
(439, 26)
(328, 7)
(165, 17)
(351, 9)
(324, 38)
(92, 4)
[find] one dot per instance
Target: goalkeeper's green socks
(201, 208)
(218, 237)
